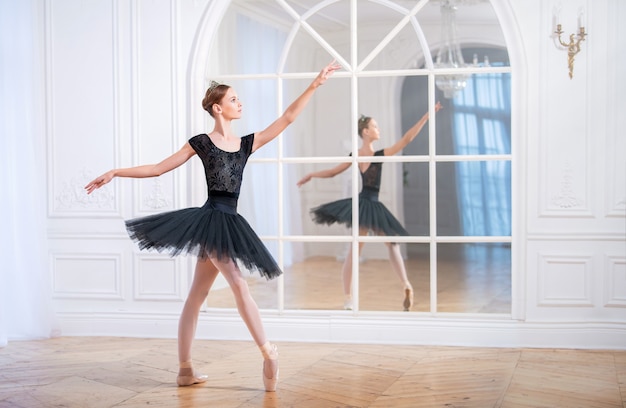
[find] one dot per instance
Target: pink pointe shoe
(270, 352)
(186, 375)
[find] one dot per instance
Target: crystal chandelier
(449, 55)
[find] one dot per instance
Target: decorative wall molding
(566, 198)
(565, 280)
(68, 198)
(342, 327)
(156, 199)
(87, 236)
(156, 277)
(71, 196)
(615, 276)
(618, 209)
(581, 236)
(155, 126)
(73, 276)
(613, 155)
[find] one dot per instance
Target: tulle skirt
(372, 214)
(214, 230)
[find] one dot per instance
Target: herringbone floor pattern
(102, 372)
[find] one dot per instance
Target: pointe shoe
(270, 352)
(347, 304)
(407, 304)
(191, 378)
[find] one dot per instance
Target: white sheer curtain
(259, 111)
(25, 291)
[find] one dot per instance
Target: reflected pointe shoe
(407, 304)
(186, 375)
(270, 352)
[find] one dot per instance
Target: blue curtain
(482, 126)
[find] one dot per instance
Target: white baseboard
(346, 327)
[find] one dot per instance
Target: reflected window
(482, 126)
(484, 191)
(482, 115)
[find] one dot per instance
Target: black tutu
(213, 230)
(372, 214)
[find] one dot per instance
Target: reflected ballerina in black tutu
(373, 215)
(216, 233)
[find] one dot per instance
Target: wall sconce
(573, 46)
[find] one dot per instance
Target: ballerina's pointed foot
(186, 375)
(407, 304)
(270, 366)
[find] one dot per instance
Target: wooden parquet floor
(104, 372)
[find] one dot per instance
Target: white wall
(575, 177)
(119, 92)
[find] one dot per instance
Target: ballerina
(373, 215)
(219, 237)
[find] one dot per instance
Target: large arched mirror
(450, 187)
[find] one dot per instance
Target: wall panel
(157, 278)
(564, 280)
(615, 165)
(81, 105)
(576, 280)
(565, 161)
(615, 280)
(111, 104)
(86, 276)
(154, 102)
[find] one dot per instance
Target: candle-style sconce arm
(573, 47)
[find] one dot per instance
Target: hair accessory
(213, 85)
(362, 118)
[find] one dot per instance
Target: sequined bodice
(223, 170)
(371, 176)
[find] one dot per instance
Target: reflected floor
(468, 281)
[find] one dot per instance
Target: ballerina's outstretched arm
(410, 134)
(290, 114)
(147, 170)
